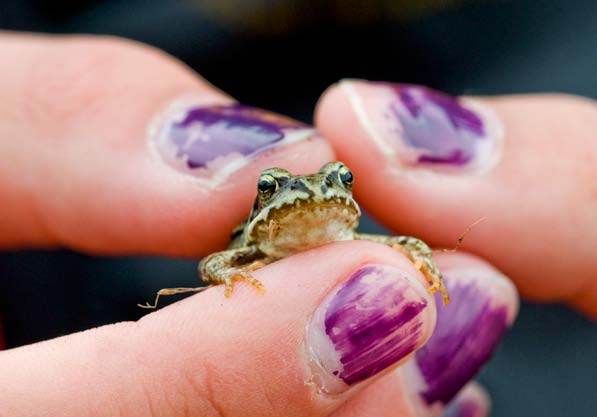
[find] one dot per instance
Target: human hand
(527, 164)
(84, 174)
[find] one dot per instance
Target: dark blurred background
(281, 55)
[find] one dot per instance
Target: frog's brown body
(295, 213)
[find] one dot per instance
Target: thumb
(331, 321)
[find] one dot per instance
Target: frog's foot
(230, 276)
(420, 256)
(243, 276)
(436, 283)
(171, 291)
(232, 265)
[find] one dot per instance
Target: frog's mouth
(303, 224)
(318, 211)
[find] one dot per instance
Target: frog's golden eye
(267, 184)
(345, 176)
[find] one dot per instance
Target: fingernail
(375, 319)
(212, 141)
(467, 332)
(423, 128)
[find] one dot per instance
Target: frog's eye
(345, 176)
(267, 185)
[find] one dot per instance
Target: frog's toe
(445, 297)
(438, 285)
(244, 276)
(254, 282)
(228, 287)
(255, 266)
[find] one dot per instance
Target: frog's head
(293, 213)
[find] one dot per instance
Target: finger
(111, 146)
(430, 165)
(1, 335)
(483, 306)
(331, 321)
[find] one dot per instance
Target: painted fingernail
(423, 128)
(472, 401)
(376, 319)
(212, 141)
(468, 330)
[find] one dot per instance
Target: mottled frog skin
(293, 213)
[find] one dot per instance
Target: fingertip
(472, 401)
(585, 302)
(342, 300)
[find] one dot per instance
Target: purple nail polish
(424, 127)
(201, 140)
(439, 125)
(375, 319)
(467, 332)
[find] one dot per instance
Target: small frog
(293, 213)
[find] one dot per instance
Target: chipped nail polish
(377, 318)
(212, 141)
(425, 128)
(467, 333)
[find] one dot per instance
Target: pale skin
(116, 199)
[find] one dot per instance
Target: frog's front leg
(419, 253)
(223, 267)
(231, 265)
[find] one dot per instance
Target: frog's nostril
(297, 185)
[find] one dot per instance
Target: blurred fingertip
(472, 401)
